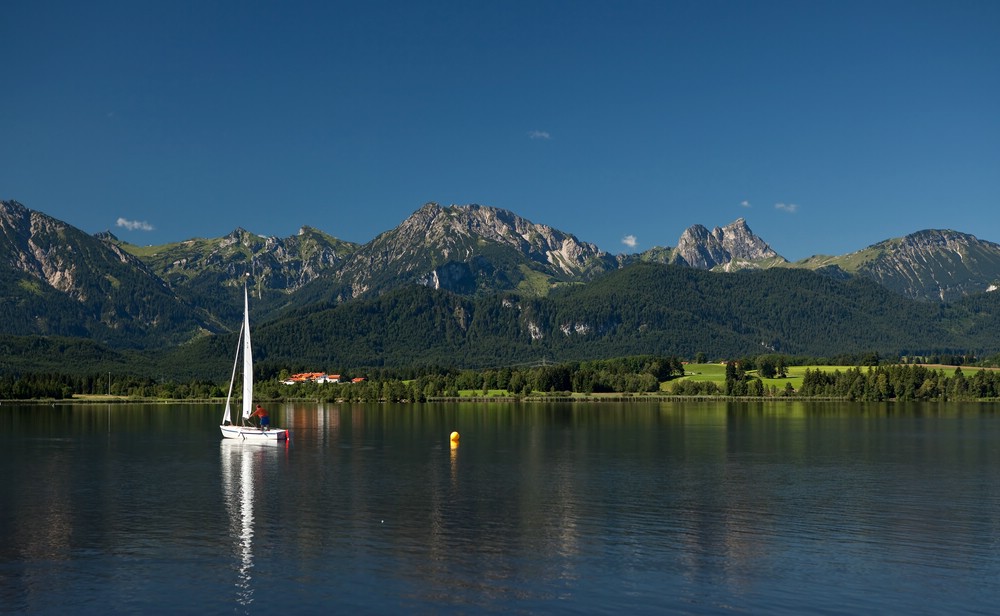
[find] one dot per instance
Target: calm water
(693, 508)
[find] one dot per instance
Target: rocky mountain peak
(456, 232)
(944, 239)
(731, 246)
(40, 246)
(458, 247)
(11, 208)
(937, 264)
(239, 235)
(82, 283)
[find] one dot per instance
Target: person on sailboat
(265, 421)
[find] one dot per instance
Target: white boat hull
(249, 433)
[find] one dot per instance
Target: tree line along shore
(765, 376)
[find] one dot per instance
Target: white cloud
(744, 203)
(539, 134)
(134, 225)
(630, 241)
(791, 208)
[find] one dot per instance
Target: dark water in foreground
(697, 508)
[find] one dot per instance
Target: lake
(644, 507)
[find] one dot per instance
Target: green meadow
(716, 373)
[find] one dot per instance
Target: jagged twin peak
(730, 247)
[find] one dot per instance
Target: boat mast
(227, 416)
(247, 358)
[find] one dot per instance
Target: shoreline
(581, 398)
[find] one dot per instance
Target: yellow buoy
(454, 437)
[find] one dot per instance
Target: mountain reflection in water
(690, 507)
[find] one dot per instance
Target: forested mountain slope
(57, 280)
(641, 309)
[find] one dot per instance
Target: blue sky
(827, 125)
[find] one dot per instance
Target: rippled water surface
(701, 508)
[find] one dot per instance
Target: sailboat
(243, 429)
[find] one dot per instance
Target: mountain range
(473, 265)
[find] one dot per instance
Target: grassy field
(716, 373)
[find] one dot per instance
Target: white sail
(247, 359)
(227, 416)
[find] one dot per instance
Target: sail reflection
(237, 481)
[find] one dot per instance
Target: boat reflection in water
(238, 491)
